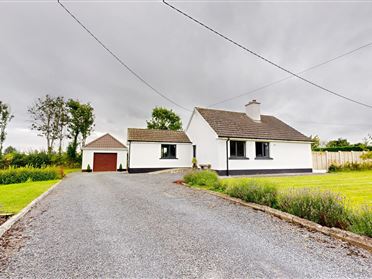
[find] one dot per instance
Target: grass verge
(324, 207)
(14, 197)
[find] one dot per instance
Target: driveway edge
(352, 238)
(14, 219)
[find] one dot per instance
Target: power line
(288, 77)
(265, 59)
(120, 60)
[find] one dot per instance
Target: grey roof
(152, 135)
(238, 125)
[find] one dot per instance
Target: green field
(355, 186)
(14, 197)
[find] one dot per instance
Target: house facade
(152, 150)
(230, 142)
(236, 143)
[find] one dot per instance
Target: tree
(44, 115)
(164, 119)
(5, 118)
(10, 149)
(60, 121)
(80, 124)
(315, 142)
(338, 143)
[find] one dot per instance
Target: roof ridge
(101, 137)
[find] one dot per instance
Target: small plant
(254, 191)
(120, 168)
(194, 163)
(202, 178)
(322, 207)
(89, 169)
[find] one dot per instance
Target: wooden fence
(322, 160)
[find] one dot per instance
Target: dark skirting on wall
(145, 170)
(262, 171)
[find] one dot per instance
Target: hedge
(344, 148)
(21, 175)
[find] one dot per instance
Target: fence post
(326, 157)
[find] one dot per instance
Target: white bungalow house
(232, 143)
(235, 143)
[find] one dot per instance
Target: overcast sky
(44, 51)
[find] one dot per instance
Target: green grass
(67, 171)
(14, 197)
(355, 186)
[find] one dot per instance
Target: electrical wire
(121, 61)
(265, 59)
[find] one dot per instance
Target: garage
(104, 161)
(105, 153)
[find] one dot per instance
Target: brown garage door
(104, 161)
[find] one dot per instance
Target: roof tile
(152, 135)
(238, 125)
(105, 142)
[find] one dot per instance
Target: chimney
(253, 110)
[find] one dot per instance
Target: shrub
(202, 178)
(366, 156)
(20, 175)
(361, 221)
(324, 208)
(254, 191)
(88, 168)
(349, 166)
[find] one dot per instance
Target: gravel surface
(141, 225)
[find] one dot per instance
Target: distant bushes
(325, 208)
(24, 174)
(37, 159)
(344, 148)
(349, 166)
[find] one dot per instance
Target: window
(168, 151)
(194, 151)
(262, 150)
(237, 149)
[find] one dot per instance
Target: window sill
(238, 158)
(169, 158)
(263, 158)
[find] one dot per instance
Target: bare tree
(60, 121)
(43, 117)
(5, 117)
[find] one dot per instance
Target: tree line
(55, 119)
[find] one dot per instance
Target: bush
(20, 175)
(349, 166)
(344, 148)
(361, 221)
(254, 191)
(324, 208)
(202, 178)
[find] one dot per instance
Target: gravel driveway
(142, 225)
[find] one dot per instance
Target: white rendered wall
(148, 155)
(285, 155)
(88, 156)
(205, 139)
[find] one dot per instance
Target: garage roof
(105, 142)
(152, 135)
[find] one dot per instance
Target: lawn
(14, 197)
(355, 186)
